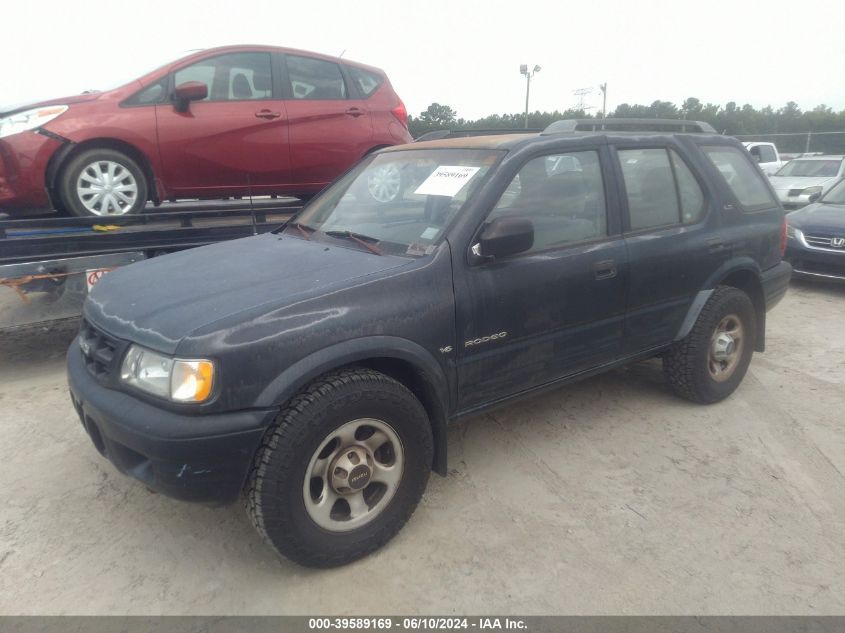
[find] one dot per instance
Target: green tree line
(730, 119)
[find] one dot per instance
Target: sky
(465, 54)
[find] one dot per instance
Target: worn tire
(685, 364)
(274, 488)
(70, 173)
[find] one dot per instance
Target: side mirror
(187, 92)
(814, 197)
(506, 236)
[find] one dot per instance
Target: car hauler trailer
(47, 265)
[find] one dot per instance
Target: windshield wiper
(363, 240)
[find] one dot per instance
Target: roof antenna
(251, 205)
(341, 55)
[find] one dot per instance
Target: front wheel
(341, 470)
(709, 363)
(103, 182)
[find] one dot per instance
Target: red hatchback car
(224, 122)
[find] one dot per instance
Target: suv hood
(160, 301)
(781, 183)
(820, 217)
(6, 110)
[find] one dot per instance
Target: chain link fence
(802, 142)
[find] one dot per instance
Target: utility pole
(523, 69)
(603, 88)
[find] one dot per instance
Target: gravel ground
(609, 496)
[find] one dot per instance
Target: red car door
(329, 129)
(233, 141)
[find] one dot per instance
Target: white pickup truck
(766, 155)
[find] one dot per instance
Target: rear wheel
(342, 469)
(709, 363)
(102, 182)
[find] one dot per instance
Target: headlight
(176, 379)
(793, 233)
(809, 191)
(29, 119)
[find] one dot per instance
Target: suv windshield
(400, 201)
(811, 168)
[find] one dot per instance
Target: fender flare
(740, 264)
(296, 376)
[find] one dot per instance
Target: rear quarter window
(366, 81)
(741, 175)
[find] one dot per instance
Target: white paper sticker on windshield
(446, 180)
(430, 233)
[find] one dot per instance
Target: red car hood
(20, 107)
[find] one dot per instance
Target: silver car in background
(805, 180)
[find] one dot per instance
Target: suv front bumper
(201, 458)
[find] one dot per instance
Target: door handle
(356, 112)
(267, 114)
(605, 269)
(716, 245)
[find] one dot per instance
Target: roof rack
(629, 125)
(437, 135)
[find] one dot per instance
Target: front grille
(99, 350)
(820, 240)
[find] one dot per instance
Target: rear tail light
(401, 113)
(783, 238)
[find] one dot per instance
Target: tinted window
(366, 81)
(315, 79)
(746, 182)
(689, 191)
(235, 77)
(562, 195)
(650, 186)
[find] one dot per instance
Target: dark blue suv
(312, 371)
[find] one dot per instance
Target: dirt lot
(609, 496)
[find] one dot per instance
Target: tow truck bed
(48, 264)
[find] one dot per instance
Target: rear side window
(746, 182)
(314, 78)
(689, 191)
(650, 188)
(366, 81)
(661, 189)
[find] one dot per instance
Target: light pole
(603, 88)
(523, 69)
